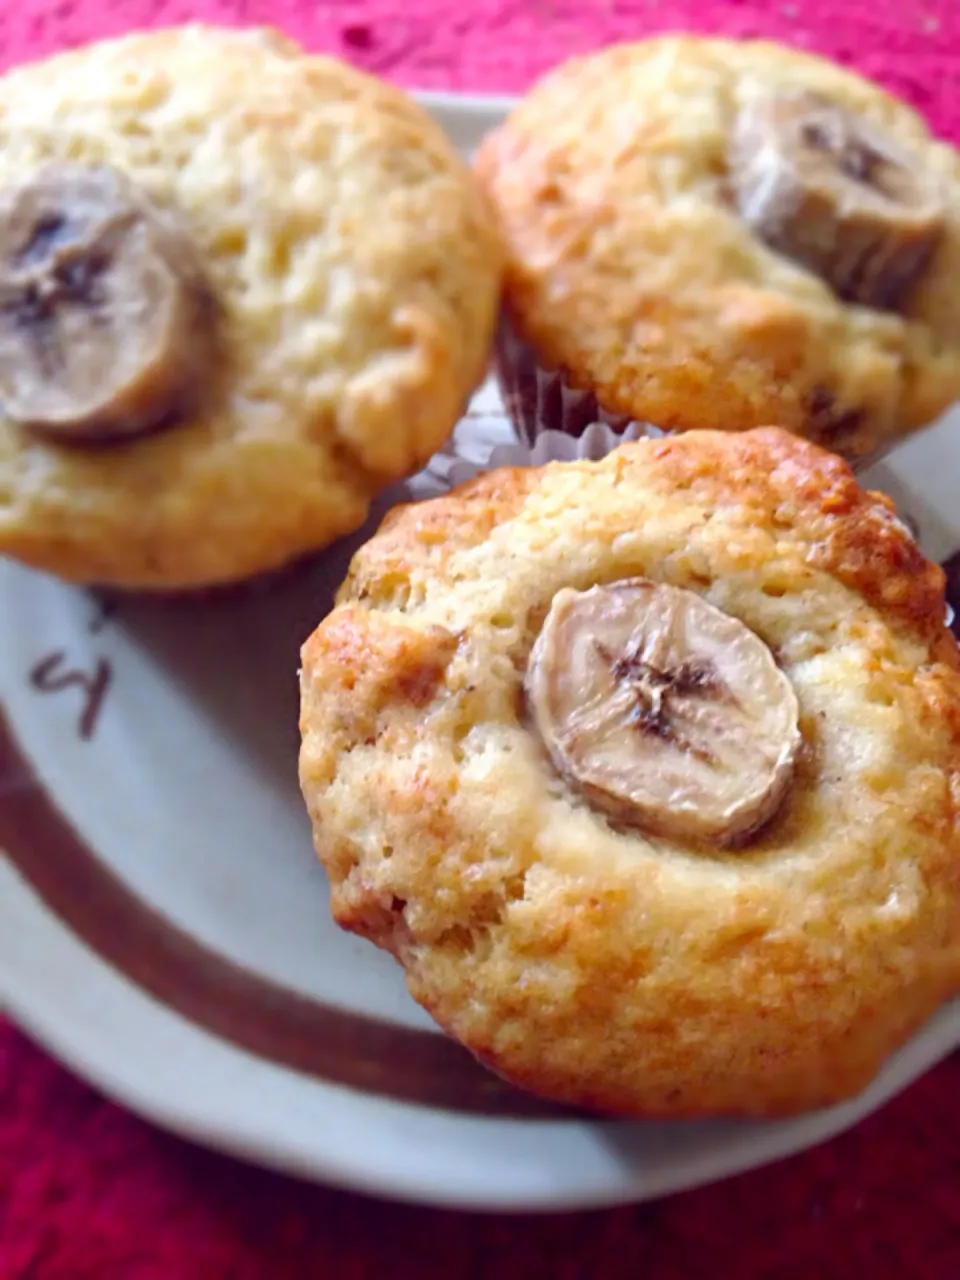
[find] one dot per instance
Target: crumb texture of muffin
(646, 222)
(354, 272)
(635, 973)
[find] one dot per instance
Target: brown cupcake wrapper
(539, 399)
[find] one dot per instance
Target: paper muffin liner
(539, 399)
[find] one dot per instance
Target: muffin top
(241, 290)
(703, 861)
(726, 234)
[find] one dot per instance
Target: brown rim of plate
(226, 999)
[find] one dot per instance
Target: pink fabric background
(87, 1192)
(913, 46)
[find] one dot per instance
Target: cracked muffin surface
(611, 967)
(354, 271)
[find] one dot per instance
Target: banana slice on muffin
(646, 770)
(664, 711)
(242, 290)
(826, 187)
(106, 319)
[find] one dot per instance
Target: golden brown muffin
(712, 233)
(327, 276)
(610, 965)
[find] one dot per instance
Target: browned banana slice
(663, 711)
(830, 190)
(105, 318)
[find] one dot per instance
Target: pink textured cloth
(87, 1192)
(912, 46)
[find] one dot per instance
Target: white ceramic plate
(164, 927)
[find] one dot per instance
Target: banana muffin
(242, 289)
(647, 772)
(712, 233)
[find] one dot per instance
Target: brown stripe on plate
(254, 1013)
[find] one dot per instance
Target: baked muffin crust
(632, 270)
(355, 269)
(605, 967)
